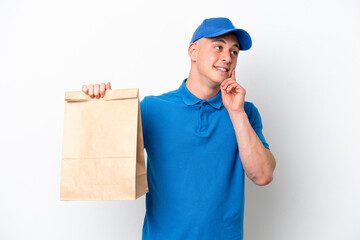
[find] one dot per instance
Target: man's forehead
(229, 38)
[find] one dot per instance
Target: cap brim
(242, 36)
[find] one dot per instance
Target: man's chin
(219, 77)
(218, 81)
(223, 77)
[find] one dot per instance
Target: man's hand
(233, 95)
(96, 90)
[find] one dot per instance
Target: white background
(302, 73)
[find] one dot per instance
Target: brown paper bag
(103, 149)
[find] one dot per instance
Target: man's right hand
(96, 90)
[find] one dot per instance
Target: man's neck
(201, 89)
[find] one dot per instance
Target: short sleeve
(255, 121)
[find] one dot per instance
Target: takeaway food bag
(103, 149)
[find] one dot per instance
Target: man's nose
(226, 56)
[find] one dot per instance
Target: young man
(200, 139)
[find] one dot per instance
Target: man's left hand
(233, 95)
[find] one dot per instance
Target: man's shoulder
(168, 97)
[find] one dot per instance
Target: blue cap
(214, 27)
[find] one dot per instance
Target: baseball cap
(214, 27)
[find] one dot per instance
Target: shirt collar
(190, 99)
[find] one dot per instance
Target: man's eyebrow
(220, 40)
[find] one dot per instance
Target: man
(200, 139)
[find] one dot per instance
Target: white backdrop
(302, 73)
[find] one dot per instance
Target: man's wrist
(240, 114)
(238, 119)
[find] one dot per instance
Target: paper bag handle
(115, 94)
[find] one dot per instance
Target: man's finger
(233, 74)
(108, 86)
(97, 90)
(227, 82)
(223, 91)
(85, 89)
(231, 87)
(102, 90)
(91, 90)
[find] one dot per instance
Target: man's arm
(258, 162)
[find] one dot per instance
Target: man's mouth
(222, 69)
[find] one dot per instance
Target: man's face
(216, 58)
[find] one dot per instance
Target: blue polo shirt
(195, 175)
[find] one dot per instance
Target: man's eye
(235, 52)
(218, 47)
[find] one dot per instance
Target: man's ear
(192, 51)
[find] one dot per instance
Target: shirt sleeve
(256, 123)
